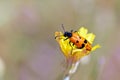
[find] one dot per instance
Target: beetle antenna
(63, 28)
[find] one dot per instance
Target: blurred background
(28, 50)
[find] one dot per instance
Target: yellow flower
(70, 51)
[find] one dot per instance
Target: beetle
(77, 40)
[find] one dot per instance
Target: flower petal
(82, 32)
(64, 44)
(95, 47)
(90, 37)
(78, 54)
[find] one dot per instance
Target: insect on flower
(75, 45)
(77, 40)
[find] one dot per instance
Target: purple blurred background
(28, 50)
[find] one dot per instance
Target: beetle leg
(66, 39)
(56, 37)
